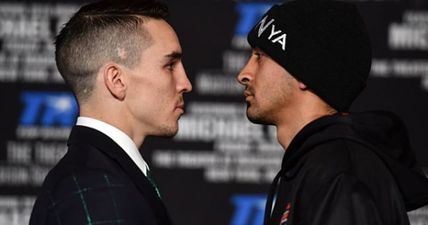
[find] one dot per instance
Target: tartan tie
(153, 182)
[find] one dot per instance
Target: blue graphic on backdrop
(249, 14)
(47, 109)
(249, 209)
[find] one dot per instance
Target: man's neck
(114, 121)
(288, 128)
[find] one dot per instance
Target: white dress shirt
(118, 136)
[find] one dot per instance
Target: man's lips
(247, 94)
(180, 107)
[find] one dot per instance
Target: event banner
(218, 168)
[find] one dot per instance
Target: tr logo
(249, 209)
(48, 109)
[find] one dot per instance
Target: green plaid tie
(153, 182)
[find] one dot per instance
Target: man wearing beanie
(310, 61)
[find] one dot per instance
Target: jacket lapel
(81, 134)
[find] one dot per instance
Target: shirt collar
(118, 136)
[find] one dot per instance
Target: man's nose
(246, 74)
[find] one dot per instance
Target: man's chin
(171, 133)
(167, 131)
(258, 119)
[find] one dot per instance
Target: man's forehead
(158, 27)
(161, 32)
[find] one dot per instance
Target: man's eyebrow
(257, 49)
(174, 55)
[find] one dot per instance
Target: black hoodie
(348, 169)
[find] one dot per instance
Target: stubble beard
(169, 131)
(257, 116)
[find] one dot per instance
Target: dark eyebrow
(174, 56)
(257, 49)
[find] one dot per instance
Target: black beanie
(323, 44)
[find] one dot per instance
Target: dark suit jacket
(97, 183)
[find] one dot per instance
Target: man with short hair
(123, 62)
(310, 60)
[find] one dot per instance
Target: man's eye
(258, 55)
(170, 66)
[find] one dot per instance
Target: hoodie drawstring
(270, 198)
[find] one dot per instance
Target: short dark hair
(102, 31)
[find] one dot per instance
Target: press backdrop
(217, 170)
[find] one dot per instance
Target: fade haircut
(100, 32)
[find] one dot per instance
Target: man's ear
(114, 80)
